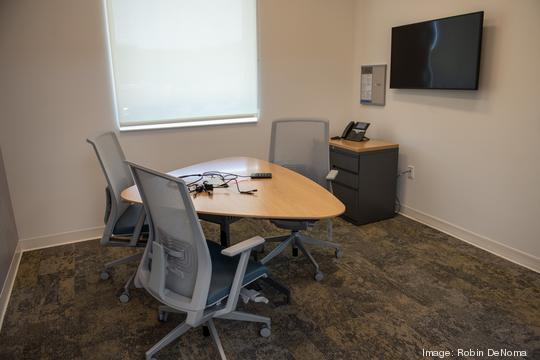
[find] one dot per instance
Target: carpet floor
(400, 289)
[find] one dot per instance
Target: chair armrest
(244, 249)
(243, 246)
(330, 177)
(332, 174)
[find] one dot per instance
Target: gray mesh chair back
(169, 269)
(111, 158)
(184, 271)
(124, 223)
(302, 146)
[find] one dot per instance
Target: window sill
(189, 124)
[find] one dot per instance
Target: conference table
(288, 195)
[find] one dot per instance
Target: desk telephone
(355, 131)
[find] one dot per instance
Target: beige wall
(476, 153)
(56, 92)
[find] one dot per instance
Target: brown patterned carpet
(400, 287)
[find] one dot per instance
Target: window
(183, 62)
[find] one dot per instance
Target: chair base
(124, 260)
(297, 240)
(106, 273)
(125, 241)
(181, 329)
(279, 287)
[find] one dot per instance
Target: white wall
(476, 153)
(56, 92)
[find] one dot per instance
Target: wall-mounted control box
(373, 85)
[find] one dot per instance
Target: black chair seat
(126, 223)
(293, 225)
(223, 271)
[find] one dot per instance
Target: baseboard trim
(5, 294)
(506, 252)
(69, 237)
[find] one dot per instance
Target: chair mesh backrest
(175, 226)
(112, 161)
(301, 145)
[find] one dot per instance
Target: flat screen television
(437, 54)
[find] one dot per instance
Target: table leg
(279, 287)
(224, 232)
(224, 223)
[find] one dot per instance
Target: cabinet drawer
(349, 198)
(344, 161)
(347, 178)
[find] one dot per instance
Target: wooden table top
(362, 146)
(287, 195)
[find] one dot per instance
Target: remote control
(261, 175)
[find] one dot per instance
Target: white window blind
(183, 62)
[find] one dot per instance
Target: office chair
(186, 273)
(124, 223)
(301, 145)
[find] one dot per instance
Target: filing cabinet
(367, 178)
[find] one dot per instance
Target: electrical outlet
(410, 169)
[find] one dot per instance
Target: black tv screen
(437, 54)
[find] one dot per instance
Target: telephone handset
(355, 131)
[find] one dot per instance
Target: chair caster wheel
(124, 297)
(295, 252)
(339, 253)
(319, 276)
(205, 331)
(163, 316)
(265, 331)
(105, 275)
